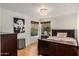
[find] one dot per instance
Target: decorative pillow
(61, 34)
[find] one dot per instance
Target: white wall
(0, 19)
(7, 24)
(65, 21)
(68, 21)
(78, 27)
(0, 30)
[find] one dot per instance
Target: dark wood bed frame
(57, 49)
(70, 32)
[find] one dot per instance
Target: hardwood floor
(30, 50)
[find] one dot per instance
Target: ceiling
(32, 9)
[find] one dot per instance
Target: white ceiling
(32, 9)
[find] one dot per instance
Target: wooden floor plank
(30, 50)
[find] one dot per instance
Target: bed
(57, 46)
(68, 39)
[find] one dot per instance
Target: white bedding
(63, 40)
(59, 38)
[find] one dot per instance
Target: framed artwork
(19, 24)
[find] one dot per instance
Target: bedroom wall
(65, 21)
(0, 19)
(78, 26)
(7, 24)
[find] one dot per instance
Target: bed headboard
(70, 32)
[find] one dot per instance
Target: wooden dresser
(8, 44)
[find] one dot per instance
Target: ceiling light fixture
(44, 11)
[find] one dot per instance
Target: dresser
(8, 44)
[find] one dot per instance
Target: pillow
(61, 34)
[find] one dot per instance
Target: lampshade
(44, 11)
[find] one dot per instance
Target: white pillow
(61, 35)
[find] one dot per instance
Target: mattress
(66, 40)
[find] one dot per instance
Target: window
(34, 28)
(45, 28)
